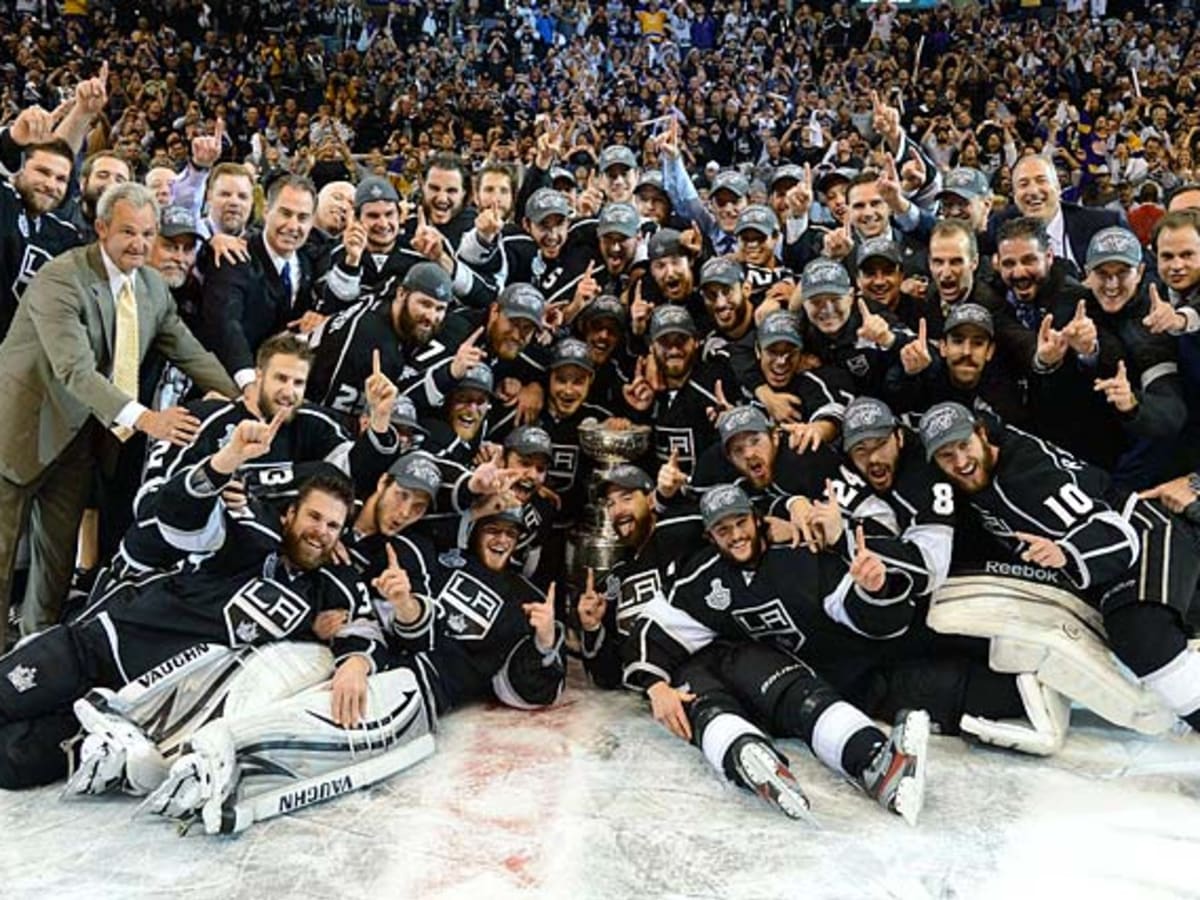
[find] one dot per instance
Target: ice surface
(593, 800)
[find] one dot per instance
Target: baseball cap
(478, 378)
(1114, 244)
(604, 306)
(878, 248)
(529, 440)
(177, 220)
(723, 501)
(618, 218)
(616, 155)
(522, 301)
(824, 276)
(721, 270)
(651, 178)
(417, 471)
(969, 314)
(965, 182)
(731, 180)
(430, 279)
(671, 319)
(558, 173)
(757, 218)
(373, 188)
(741, 419)
(628, 476)
(663, 243)
(545, 202)
(945, 423)
(834, 177)
(513, 515)
(780, 325)
(404, 414)
(866, 418)
(789, 172)
(571, 352)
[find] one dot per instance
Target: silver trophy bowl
(612, 445)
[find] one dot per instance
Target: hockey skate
(896, 776)
(761, 770)
(115, 754)
(199, 781)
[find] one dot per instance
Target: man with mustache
(1123, 555)
(174, 256)
(250, 578)
(964, 369)
(248, 301)
(406, 331)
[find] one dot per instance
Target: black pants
(39, 682)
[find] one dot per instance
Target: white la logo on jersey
(23, 678)
(719, 597)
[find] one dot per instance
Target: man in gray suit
(68, 389)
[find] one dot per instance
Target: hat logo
(1109, 243)
(425, 471)
(376, 191)
(863, 416)
(939, 423)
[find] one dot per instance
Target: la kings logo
(263, 607)
(470, 607)
(771, 620)
(636, 592)
(34, 258)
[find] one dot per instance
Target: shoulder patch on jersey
(612, 588)
(452, 559)
(719, 597)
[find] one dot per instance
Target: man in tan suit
(68, 389)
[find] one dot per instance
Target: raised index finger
(276, 424)
(1080, 310)
(591, 581)
(860, 541)
(475, 335)
(393, 562)
(922, 331)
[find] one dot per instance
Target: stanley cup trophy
(593, 542)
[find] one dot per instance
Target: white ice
(591, 799)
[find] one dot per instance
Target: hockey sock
(845, 739)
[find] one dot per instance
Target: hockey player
(193, 570)
(1125, 556)
(456, 432)
(603, 325)
(309, 435)
(758, 235)
(733, 591)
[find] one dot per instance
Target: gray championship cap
(546, 202)
(177, 220)
(721, 270)
(558, 173)
(404, 415)
(878, 248)
(477, 378)
(616, 155)
(513, 515)
(652, 178)
(571, 352)
(430, 279)
(606, 306)
(671, 319)
(969, 314)
(824, 276)
(1114, 245)
(945, 423)
(723, 501)
(663, 243)
(627, 476)
(965, 182)
(373, 188)
(834, 177)
(866, 418)
(741, 419)
(730, 180)
(780, 325)
(417, 471)
(789, 172)
(522, 301)
(757, 218)
(618, 218)
(529, 440)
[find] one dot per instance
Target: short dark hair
(327, 480)
(296, 182)
(450, 162)
(866, 176)
(1024, 228)
(55, 147)
(951, 227)
(283, 344)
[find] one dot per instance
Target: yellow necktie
(126, 355)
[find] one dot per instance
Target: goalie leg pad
(1048, 713)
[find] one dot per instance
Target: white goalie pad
(1048, 713)
(1045, 631)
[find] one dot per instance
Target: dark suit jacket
(56, 362)
(244, 304)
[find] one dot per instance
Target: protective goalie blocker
(1040, 630)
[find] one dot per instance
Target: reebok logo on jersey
(23, 678)
(316, 793)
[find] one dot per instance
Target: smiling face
(877, 459)
(829, 312)
(602, 335)
(673, 275)
(443, 194)
(508, 336)
(617, 182)
(1023, 266)
(753, 453)
(174, 258)
(549, 234)
(879, 279)
(1114, 284)
(1036, 191)
(530, 470)
(311, 529)
(727, 206)
(952, 265)
(617, 251)
(968, 463)
(675, 353)
(381, 219)
(1178, 251)
(289, 220)
(466, 409)
(736, 537)
(966, 351)
(868, 210)
(569, 386)
(730, 310)
(129, 237)
(757, 249)
(494, 542)
(281, 385)
(416, 317)
(42, 181)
